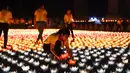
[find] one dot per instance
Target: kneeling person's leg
(57, 48)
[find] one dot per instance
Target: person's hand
(35, 26)
(73, 40)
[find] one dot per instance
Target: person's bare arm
(65, 20)
(45, 14)
(34, 20)
(9, 17)
(47, 23)
(67, 48)
(53, 52)
(72, 18)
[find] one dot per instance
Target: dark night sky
(55, 8)
(97, 7)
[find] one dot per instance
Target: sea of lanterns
(94, 52)
(25, 38)
(88, 60)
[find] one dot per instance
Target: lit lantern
(64, 56)
(72, 62)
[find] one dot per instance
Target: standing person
(68, 20)
(119, 24)
(5, 17)
(40, 20)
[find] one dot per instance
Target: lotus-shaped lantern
(73, 69)
(44, 67)
(63, 65)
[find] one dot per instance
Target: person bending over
(52, 45)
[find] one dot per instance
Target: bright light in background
(102, 18)
(95, 20)
(72, 20)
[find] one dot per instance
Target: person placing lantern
(54, 42)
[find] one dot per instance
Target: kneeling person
(53, 44)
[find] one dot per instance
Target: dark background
(57, 8)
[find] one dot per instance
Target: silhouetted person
(119, 24)
(5, 16)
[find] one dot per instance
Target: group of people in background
(41, 21)
(54, 42)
